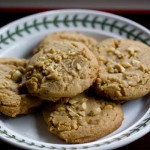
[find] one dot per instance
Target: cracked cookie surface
(71, 36)
(124, 69)
(12, 102)
(63, 69)
(83, 118)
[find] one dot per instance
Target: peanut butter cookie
(124, 69)
(71, 36)
(63, 69)
(83, 118)
(12, 102)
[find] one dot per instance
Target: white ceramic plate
(17, 39)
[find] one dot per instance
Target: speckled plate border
(84, 20)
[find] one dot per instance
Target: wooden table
(144, 19)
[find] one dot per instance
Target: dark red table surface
(144, 19)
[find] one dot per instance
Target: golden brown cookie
(124, 69)
(71, 36)
(83, 118)
(63, 69)
(12, 102)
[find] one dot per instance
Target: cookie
(12, 102)
(63, 69)
(83, 118)
(124, 69)
(71, 36)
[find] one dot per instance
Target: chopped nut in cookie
(92, 121)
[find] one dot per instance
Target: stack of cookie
(85, 81)
(14, 98)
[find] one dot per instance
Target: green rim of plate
(106, 24)
(92, 21)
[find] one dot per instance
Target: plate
(18, 38)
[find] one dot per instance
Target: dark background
(143, 18)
